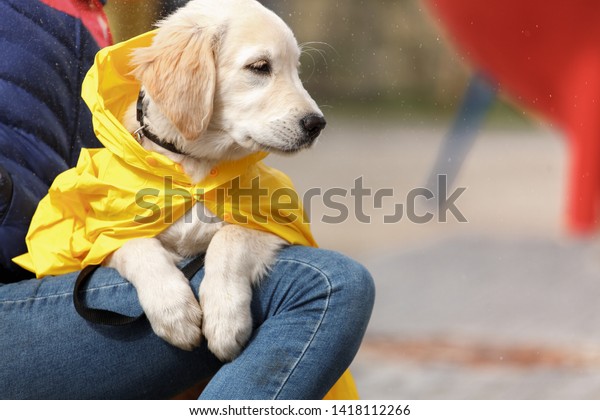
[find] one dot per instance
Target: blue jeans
(310, 315)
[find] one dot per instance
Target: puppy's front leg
(164, 293)
(236, 259)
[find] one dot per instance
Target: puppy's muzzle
(312, 125)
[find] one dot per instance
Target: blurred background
(500, 306)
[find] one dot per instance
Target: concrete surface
(503, 306)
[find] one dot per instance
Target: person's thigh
(310, 314)
(48, 351)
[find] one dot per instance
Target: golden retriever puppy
(220, 82)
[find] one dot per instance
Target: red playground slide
(545, 54)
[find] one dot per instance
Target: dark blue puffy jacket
(44, 55)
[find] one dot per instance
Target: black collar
(149, 134)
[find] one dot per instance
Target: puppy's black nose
(313, 124)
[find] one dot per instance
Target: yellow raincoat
(123, 191)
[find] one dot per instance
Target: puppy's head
(225, 75)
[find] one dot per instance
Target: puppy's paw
(226, 330)
(175, 315)
(227, 323)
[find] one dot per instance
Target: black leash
(106, 317)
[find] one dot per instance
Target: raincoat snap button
(214, 172)
(151, 161)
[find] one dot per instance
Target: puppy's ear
(179, 72)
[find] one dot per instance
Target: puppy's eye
(262, 67)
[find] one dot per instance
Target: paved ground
(503, 306)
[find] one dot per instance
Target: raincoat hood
(124, 191)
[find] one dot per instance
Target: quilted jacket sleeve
(43, 121)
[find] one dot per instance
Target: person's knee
(349, 283)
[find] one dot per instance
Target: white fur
(203, 95)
